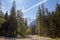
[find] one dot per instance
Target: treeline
(47, 23)
(13, 25)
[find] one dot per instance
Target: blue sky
(25, 4)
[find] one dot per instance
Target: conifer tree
(38, 27)
(12, 29)
(57, 18)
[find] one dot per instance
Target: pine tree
(5, 25)
(52, 25)
(57, 14)
(38, 27)
(12, 21)
(47, 22)
(21, 24)
(1, 16)
(2, 20)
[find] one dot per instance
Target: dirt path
(31, 37)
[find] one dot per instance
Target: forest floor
(31, 37)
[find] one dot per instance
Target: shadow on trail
(9, 39)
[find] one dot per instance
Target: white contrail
(35, 5)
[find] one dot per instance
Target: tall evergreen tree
(57, 14)
(38, 22)
(21, 24)
(2, 20)
(12, 21)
